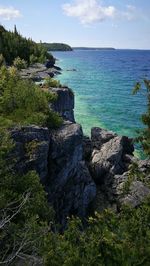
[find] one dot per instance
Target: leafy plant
(23, 102)
(50, 82)
(19, 63)
(144, 137)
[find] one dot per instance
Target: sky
(121, 24)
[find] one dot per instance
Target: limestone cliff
(75, 169)
(65, 103)
(57, 156)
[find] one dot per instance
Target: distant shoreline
(93, 48)
(106, 49)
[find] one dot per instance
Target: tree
(144, 137)
(13, 45)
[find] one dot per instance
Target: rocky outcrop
(38, 72)
(31, 150)
(108, 154)
(109, 162)
(133, 190)
(100, 136)
(64, 104)
(71, 187)
(57, 157)
(138, 191)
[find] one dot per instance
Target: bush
(22, 102)
(108, 239)
(50, 82)
(19, 63)
(144, 135)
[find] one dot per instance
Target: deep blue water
(103, 83)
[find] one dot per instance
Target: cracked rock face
(64, 104)
(57, 157)
(107, 160)
(31, 150)
(71, 188)
(100, 136)
(109, 167)
(109, 153)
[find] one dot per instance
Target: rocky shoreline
(38, 72)
(75, 170)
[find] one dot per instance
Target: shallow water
(103, 83)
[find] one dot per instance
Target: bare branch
(8, 218)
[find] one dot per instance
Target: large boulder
(107, 160)
(64, 104)
(109, 154)
(100, 136)
(70, 186)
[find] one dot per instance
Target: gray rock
(109, 156)
(39, 72)
(57, 157)
(64, 104)
(31, 150)
(100, 136)
(138, 192)
(70, 185)
(87, 148)
(107, 160)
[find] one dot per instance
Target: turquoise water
(103, 83)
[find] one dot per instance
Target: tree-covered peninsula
(57, 47)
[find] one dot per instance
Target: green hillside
(13, 45)
(57, 47)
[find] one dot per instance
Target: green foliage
(57, 46)
(13, 45)
(22, 102)
(24, 212)
(33, 59)
(108, 239)
(144, 137)
(135, 174)
(19, 63)
(50, 82)
(2, 60)
(26, 221)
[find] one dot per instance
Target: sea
(103, 81)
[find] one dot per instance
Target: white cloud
(8, 13)
(89, 11)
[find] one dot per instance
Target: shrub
(19, 63)
(144, 136)
(23, 102)
(50, 82)
(2, 60)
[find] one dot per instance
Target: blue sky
(95, 23)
